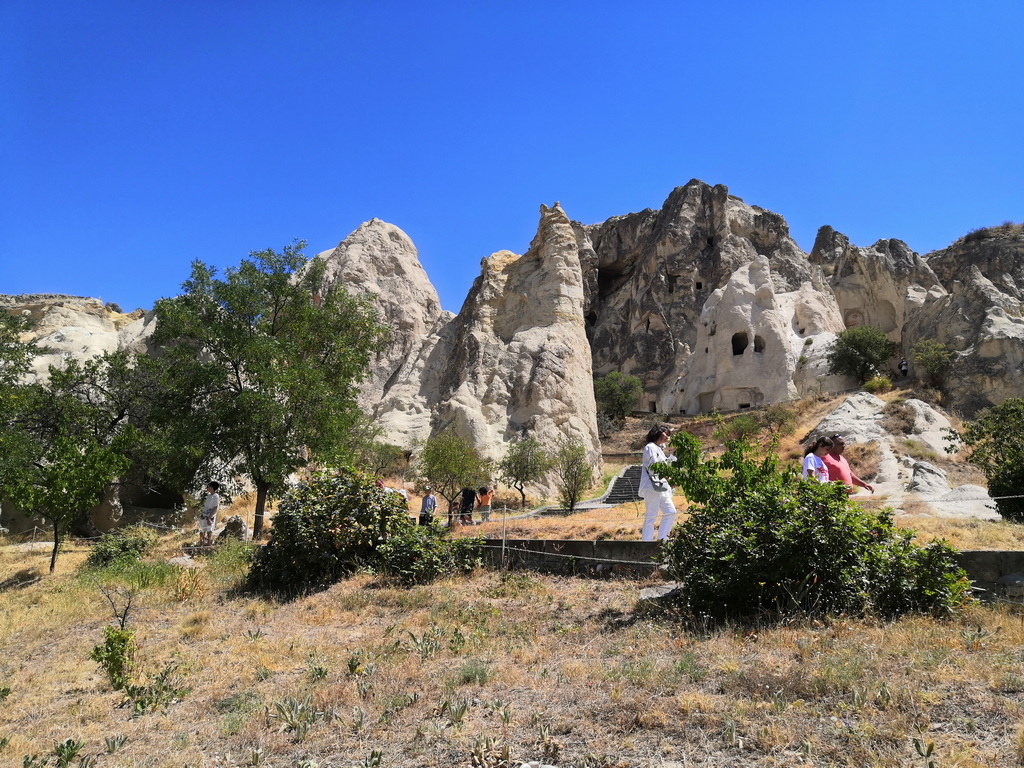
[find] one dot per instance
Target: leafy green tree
(574, 473)
(860, 352)
(616, 393)
(761, 542)
(526, 462)
(996, 443)
(449, 463)
(381, 459)
(779, 420)
(68, 439)
(268, 361)
(16, 355)
(934, 358)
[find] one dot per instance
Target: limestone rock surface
(517, 360)
(76, 327)
(379, 261)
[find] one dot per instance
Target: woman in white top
(654, 499)
(814, 460)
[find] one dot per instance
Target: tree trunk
(261, 503)
(56, 547)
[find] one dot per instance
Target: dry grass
(557, 668)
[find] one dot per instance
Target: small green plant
(66, 751)
(427, 644)
(473, 671)
(456, 711)
(316, 669)
(358, 719)
(975, 639)
(877, 384)
(373, 760)
(162, 690)
(122, 546)
(925, 750)
(116, 655)
(490, 753)
(114, 743)
(5, 691)
(295, 716)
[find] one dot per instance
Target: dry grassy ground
(556, 669)
(562, 670)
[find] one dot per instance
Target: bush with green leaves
(934, 359)
(419, 554)
(122, 546)
(860, 352)
(762, 543)
(996, 443)
(116, 655)
(325, 530)
(617, 393)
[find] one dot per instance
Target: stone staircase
(624, 487)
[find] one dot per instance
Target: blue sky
(138, 136)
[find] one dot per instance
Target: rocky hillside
(708, 300)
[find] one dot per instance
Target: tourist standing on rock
(839, 468)
(483, 503)
(904, 367)
(654, 490)
(208, 518)
(814, 460)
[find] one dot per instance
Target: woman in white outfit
(814, 460)
(654, 499)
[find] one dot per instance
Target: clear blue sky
(137, 136)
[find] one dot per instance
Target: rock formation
(78, 327)
(708, 300)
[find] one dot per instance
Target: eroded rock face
(379, 261)
(79, 328)
(518, 360)
(981, 318)
(672, 294)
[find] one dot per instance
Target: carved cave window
(740, 341)
(698, 285)
(654, 406)
(758, 344)
(744, 406)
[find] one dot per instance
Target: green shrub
(996, 443)
(116, 655)
(122, 545)
(419, 554)
(877, 384)
(760, 542)
(338, 524)
(230, 560)
(327, 529)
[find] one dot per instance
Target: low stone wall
(994, 571)
(987, 569)
(571, 556)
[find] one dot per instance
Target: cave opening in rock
(758, 344)
(740, 341)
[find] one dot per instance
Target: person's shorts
(207, 524)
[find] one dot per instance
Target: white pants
(658, 501)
